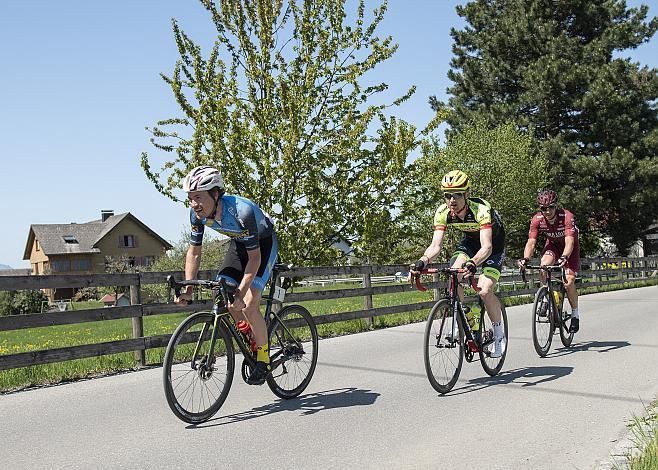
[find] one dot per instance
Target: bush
(21, 302)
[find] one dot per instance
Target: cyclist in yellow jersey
(483, 244)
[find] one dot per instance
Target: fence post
(138, 323)
(367, 300)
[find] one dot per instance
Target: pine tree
(555, 67)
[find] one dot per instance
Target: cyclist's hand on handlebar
(562, 261)
(471, 267)
(522, 262)
(185, 298)
(417, 267)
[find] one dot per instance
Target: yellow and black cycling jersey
(479, 215)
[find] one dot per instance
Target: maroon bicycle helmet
(546, 197)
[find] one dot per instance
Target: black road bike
(548, 313)
(199, 362)
(449, 337)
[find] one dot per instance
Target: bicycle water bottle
(473, 316)
(557, 295)
(248, 334)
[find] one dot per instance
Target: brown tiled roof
(51, 236)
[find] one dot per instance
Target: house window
(129, 241)
(70, 239)
(80, 265)
(60, 265)
(144, 260)
(37, 246)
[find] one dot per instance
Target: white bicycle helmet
(203, 178)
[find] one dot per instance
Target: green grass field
(35, 339)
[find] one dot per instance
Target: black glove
(418, 265)
(522, 262)
(470, 266)
(562, 260)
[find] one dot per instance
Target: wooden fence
(596, 272)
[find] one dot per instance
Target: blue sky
(80, 81)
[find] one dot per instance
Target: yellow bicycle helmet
(455, 181)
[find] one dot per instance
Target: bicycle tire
(492, 365)
(187, 384)
(293, 351)
(542, 321)
(443, 356)
(566, 336)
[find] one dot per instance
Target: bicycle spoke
(195, 394)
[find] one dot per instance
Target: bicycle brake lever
(172, 285)
(419, 285)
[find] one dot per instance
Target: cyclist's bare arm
(569, 242)
(250, 270)
(529, 248)
(192, 263)
(486, 246)
(434, 249)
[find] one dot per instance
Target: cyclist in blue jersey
(250, 257)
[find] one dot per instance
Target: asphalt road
(369, 406)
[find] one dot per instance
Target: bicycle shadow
(309, 404)
(526, 376)
(596, 346)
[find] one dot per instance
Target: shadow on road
(309, 404)
(596, 346)
(526, 376)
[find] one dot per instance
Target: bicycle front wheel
(492, 365)
(443, 348)
(196, 379)
(542, 321)
(293, 351)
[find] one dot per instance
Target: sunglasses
(454, 196)
(546, 208)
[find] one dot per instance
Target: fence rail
(597, 272)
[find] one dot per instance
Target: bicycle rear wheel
(542, 322)
(443, 348)
(293, 351)
(492, 365)
(196, 388)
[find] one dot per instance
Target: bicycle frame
(553, 307)
(456, 304)
(220, 310)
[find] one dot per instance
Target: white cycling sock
(574, 313)
(499, 331)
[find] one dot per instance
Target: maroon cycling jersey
(564, 225)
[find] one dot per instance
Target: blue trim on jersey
(240, 219)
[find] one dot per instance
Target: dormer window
(70, 239)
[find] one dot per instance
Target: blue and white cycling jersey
(241, 219)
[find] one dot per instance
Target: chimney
(106, 214)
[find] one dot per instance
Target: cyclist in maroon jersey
(558, 225)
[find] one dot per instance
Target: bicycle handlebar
(547, 268)
(178, 285)
(450, 271)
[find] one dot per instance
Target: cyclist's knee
(485, 292)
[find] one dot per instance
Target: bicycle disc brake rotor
(203, 370)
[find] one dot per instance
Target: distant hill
(4, 266)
